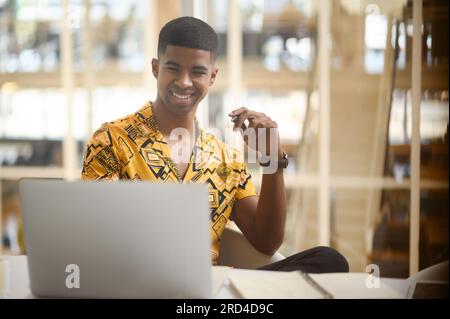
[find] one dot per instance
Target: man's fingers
(240, 123)
(239, 120)
(256, 119)
(238, 117)
(243, 111)
(237, 111)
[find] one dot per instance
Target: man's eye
(199, 73)
(172, 69)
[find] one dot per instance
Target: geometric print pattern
(133, 148)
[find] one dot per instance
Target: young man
(140, 147)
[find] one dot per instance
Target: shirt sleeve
(100, 161)
(245, 187)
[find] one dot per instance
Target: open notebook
(298, 285)
(286, 285)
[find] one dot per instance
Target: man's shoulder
(119, 126)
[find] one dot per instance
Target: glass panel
(40, 113)
(118, 35)
(30, 152)
(301, 221)
(11, 217)
(33, 124)
(390, 241)
(383, 238)
(111, 103)
(30, 32)
(371, 119)
(434, 119)
(434, 115)
(434, 222)
(362, 77)
(375, 33)
(349, 214)
(218, 13)
(434, 107)
(278, 35)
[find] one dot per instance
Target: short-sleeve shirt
(133, 148)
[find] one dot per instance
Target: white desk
(18, 283)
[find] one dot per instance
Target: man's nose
(183, 81)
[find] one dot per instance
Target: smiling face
(183, 78)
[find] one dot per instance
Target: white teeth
(180, 96)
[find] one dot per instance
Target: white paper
(274, 285)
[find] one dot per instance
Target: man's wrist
(281, 155)
(281, 162)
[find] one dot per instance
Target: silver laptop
(117, 239)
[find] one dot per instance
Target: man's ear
(155, 68)
(213, 76)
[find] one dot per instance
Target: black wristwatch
(282, 163)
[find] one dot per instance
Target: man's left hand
(262, 125)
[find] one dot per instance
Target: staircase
(372, 225)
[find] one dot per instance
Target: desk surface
(17, 282)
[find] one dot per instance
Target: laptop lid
(117, 239)
(428, 289)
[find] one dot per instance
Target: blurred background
(337, 76)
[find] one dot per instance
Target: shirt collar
(147, 126)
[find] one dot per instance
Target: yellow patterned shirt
(133, 148)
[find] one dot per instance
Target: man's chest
(180, 153)
(173, 163)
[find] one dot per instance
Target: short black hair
(188, 32)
